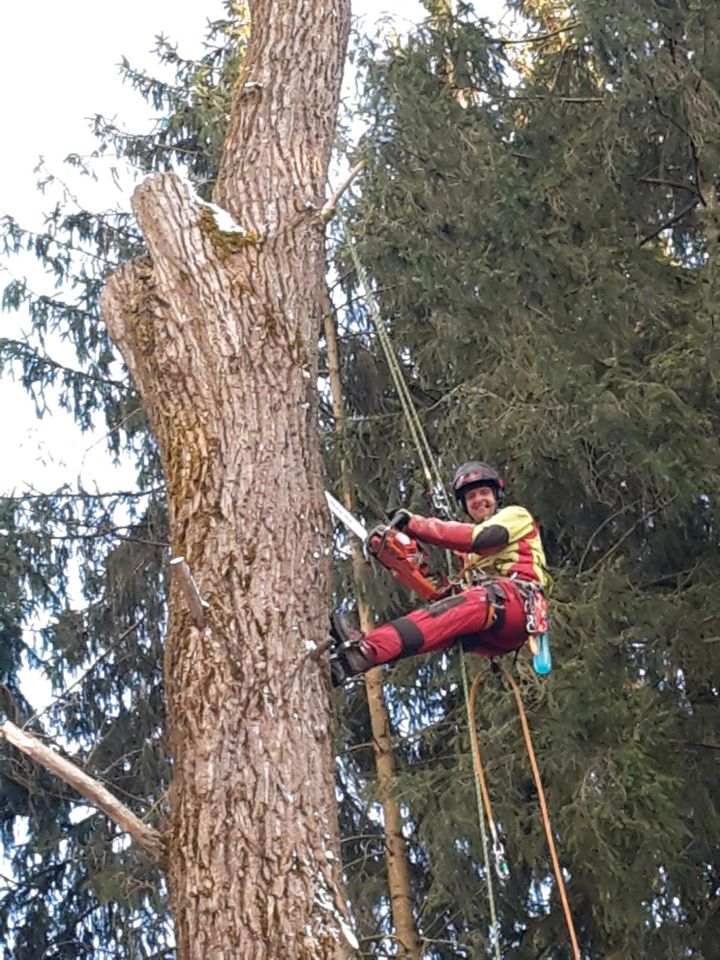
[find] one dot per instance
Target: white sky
(58, 68)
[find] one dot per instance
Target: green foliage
(543, 251)
(194, 107)
(540, 223)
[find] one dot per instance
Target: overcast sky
(58, 68)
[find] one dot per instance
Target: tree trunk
(219, 328)
(401, 899)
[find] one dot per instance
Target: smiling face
(480, 503)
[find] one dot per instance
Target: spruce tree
(542, 249)
(541, 245)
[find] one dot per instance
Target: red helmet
(474, 473)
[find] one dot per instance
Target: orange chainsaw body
(407, 561)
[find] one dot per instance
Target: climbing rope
(425, 455)
(480, 777)
(482, 800)
(442, 505)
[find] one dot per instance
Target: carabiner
(501, 865)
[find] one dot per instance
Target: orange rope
(477, 762)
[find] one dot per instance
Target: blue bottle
(542, 660)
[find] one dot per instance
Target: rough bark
(401, 899)
(219, 329)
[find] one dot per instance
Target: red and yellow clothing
(488, 618)
(522, 556)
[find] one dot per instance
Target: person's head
(478, 489)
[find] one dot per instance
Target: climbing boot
(343, 634)
(347, 662)
(351, 655)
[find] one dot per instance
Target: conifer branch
(76, 683)
(83, 495)
(537, 38)
(66, 246)
(147, 838)
(24, 352)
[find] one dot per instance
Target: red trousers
(466, 617)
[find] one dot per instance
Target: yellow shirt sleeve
(515, 519)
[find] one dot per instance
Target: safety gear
(474, 473)
(538, 627)
(487, 620)
(351, 655)
(348, 662)
(449, 534)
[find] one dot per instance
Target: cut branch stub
(184, 578)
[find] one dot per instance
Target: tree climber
(504, 573)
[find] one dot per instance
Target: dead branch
(328, 209)
(668, 223)
(147, 838)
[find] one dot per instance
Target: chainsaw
(399, 553)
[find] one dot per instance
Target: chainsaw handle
(400, 519)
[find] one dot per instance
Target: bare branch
(605, 522)
(328, 209)
(628, 532)
(147, 838)
(658, 181)
(668, 223)
(510, 98)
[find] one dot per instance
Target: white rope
(417, 432)
(495, 929)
